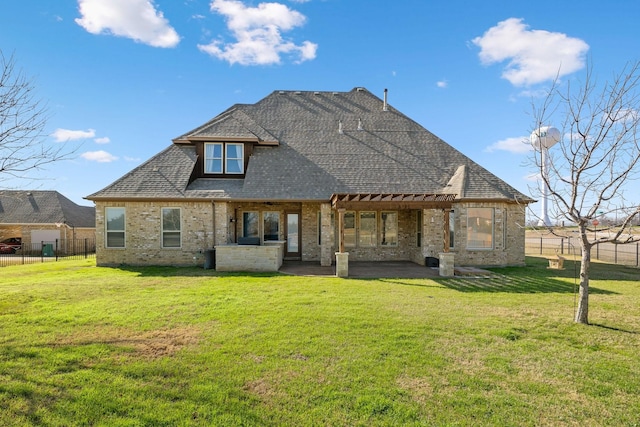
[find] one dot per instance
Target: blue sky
(123, 77)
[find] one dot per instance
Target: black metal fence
(628, 254)
(60, 249)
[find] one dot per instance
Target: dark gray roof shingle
(376, 152)
(43, 207)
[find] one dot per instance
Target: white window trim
(162, 230)
(224, 158)
(241, 158)
(214, 158)
(107, 231)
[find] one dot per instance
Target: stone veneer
(233, 257)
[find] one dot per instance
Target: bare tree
(23, 117)
(595, 161)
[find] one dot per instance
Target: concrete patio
(376, 269)
(363, 270)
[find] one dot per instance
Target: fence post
(597, 250)
(540, 245)
(86, 252)
(562, 245)
(615, 253)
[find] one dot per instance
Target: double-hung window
(171, 229)
(224, 158)
(213, 158)
(480, 228)
(115, 227)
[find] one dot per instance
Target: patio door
(292, 231)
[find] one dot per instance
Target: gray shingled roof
(390, 153)
(43, 207)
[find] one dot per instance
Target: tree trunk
(582, 313)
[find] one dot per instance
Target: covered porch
(426, 205)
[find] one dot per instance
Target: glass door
(293, 235)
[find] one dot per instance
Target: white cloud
(516, 145)
(258, 31)
(99, 156)
(103, 140)
(442, 84)
(131, 159)
(134, 19)
(533, 56)
(61, 135)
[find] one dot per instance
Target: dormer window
(223, 158)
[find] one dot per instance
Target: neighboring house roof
(311, 145)
(43, 207)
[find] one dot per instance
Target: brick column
(325, 232)
(222, 217)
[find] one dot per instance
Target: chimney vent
(340, 131)
(384, 103)
(360, 125)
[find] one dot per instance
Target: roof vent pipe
(360, 125)
(384, 103)
(340, 131)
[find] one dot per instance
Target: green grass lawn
(83, 345)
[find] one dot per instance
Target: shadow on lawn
(535, 277)
(514, 284)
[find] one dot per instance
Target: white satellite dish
(545, 137)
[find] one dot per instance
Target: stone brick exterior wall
(143, 240)
(206, 224)
(508, 236)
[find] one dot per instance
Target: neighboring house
(44, 216)
(305, 168)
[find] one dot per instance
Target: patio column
(325, 234)
(342, 257)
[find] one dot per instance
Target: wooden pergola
(395, 201)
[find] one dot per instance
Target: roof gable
(233, 125)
